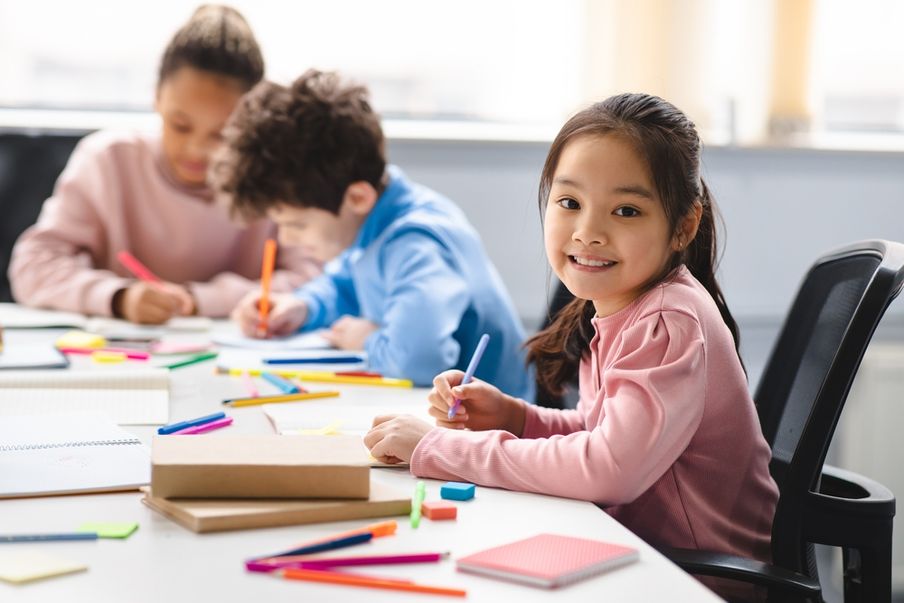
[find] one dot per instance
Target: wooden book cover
(259, 466)
(218, 515)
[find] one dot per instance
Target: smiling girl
(147, 193)
(665, 437)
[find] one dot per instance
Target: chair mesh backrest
(812, 335)
(809, 374)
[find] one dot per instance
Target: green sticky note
(110, 529)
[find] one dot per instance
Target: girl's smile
(591, 263)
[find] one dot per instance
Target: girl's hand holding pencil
(482, 406)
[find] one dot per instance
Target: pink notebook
(548, 560)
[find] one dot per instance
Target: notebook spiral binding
(18, 447)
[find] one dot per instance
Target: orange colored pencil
(266, 276)
(332, 577)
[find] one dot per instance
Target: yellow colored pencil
(327, 377)
(234, 402)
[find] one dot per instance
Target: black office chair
(799, 399)
(29, 166)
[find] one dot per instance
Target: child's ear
(687, 229)
(360, 197)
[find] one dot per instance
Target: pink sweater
(665, 436)
(116, 194)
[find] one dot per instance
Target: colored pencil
(236, 402)
(267, 264)
(193, 360)
(174, 427)
(368, 582)
(205, 427)
(11, 538)
(469, 372)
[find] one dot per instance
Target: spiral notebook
(43, 455)
(548, 560)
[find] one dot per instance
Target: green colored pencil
(193, 360)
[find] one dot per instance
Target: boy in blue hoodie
(408, 280)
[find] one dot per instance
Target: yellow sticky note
(80, 339)
(107, 357)
(25, 566)
(110, 529)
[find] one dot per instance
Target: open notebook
(69, 453)
(130, 397)
(231, 337)
(14, 316)
(333, 416)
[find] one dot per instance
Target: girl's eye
(627, 211)
(181, 128)
(568, 203)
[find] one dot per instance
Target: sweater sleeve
(53, 262)
(330, 295)
(426, 298)
(651, 404)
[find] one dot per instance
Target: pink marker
(249, 385)
(128, 353)
(224, 422)
(141, 271)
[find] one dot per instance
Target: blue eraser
(457, 491)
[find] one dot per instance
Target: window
(503, 61)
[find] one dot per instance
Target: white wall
(782, 209)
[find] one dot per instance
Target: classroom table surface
(164, 561)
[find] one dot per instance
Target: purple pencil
(329, 563)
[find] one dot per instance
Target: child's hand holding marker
(482, 406)
(456, 401)
(287, 314)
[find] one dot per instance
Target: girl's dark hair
(302, 145)
(216, 39)
(668, 141)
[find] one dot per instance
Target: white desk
(163, 561)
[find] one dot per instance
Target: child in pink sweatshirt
(665, 436)
(147, 194)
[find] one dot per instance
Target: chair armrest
(849, 510)
(847, 486)
(704, 563)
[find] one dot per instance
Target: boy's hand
(393, 438)
(482, 405)
(287, 314)
(349, 333)
(147, 303)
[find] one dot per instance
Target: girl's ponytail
(702, 257)
(557, 349)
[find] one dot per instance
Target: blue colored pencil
(284, 385)
(10, 538)
(173, 427)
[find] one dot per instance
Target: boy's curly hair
(302, 145)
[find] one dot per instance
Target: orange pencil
(266, 276)
(368, 581)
